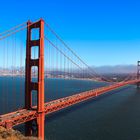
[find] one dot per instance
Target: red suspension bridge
(65, 63)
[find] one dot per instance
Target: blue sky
(102, 32)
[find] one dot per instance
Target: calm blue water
(113, 116)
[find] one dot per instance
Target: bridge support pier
(138, 73)
(30, 85)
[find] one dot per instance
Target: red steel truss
(37, 113)
(24, 115)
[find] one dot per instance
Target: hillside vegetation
(13, 135)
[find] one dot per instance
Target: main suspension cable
(64, 54)
(91, 69)
(13, 28)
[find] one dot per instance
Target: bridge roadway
(21, 116)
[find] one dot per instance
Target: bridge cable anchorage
(91, 69)
(65, 54)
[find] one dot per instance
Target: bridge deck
(21, 116)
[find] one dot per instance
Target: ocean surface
(112, 116)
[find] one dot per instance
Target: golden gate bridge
(45, 57)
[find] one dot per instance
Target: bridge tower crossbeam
(31, 85)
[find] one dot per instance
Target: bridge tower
(30, 85)
(138, 73)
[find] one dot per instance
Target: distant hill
(118, 69)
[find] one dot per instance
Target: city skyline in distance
(95, 34)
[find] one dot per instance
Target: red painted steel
(31, 85)
(38, 112)
(24, 115)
